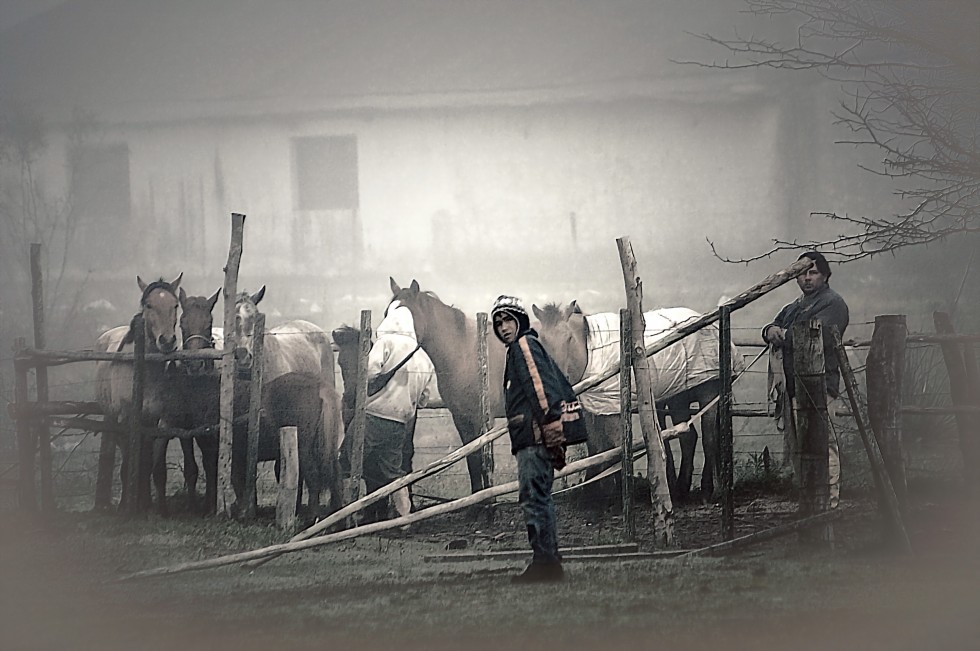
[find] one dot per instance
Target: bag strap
(381, 380)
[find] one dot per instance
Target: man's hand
(776, 335)
(553, 434)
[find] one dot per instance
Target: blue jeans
(535, 475)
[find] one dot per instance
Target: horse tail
(332, 433)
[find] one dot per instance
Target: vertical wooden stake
(726, 442)
(626, 418)
(41, 382)
(254, 417)
(663, 508)
(811, 420)
(886, 367)
(288, 478)
(357, 426)
(135, 452)
(226, 492)
(482, 356)
(887, 500)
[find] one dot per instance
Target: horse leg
(208, 445)
(190, 472)
(159, 472)
(107, 465)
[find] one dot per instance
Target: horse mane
(345, 335)
(551, 314)
(130, 336)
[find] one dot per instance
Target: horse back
(298, 347)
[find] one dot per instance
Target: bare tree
(910, 78)
(30, 210)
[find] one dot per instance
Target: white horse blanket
(682, 365)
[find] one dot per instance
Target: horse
(291, 348)
(685, 372)
(114, 387)
(193, 396)
(449, 338)
(303, 400)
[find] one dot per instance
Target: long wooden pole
(824, 518)
(663, 509)
(482, 357)
(295, 545)
(288, 479)
(26, 493)
(967, 425)
(753, 293)
(887, 500)
(357, 426)
(134, 456)
(226, 492)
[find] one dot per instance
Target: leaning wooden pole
(41, 382)
(226, 492)
(751, 294)
(967, 425)
(887, 500)
(885, 370)
(296, 545)
(663, 509)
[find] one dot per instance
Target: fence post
(811, 421)
(41, 381)
(726, 444)
(958, 364)
(885, 368)
(226, 434)
(288, 478)
(663, 508)
(486, 455)
(254, 417)
(356, 430)
(27, 496)
(134, 454)
(626, 419)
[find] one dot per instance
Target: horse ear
(572, 308)
(537, 312)
(414, 286)
(175, 283)
(394, 286)
(213, 300)
(257, 296)
(182, 297)
(139, 281)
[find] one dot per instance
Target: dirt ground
(59, 588)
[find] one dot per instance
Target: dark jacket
(825, 306)
(537, 392)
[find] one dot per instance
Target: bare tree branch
(911, 77)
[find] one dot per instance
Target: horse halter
(208, 341)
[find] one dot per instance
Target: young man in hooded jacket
(543, 416)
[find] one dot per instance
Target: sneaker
(540, 573)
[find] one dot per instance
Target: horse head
(563, 334)
(196, 324)
(246, 314)
(159, 306)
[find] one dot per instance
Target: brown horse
(684, 373)
(193, 397)
(449, 338)
(114, 386)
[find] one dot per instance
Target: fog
(479, 148)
